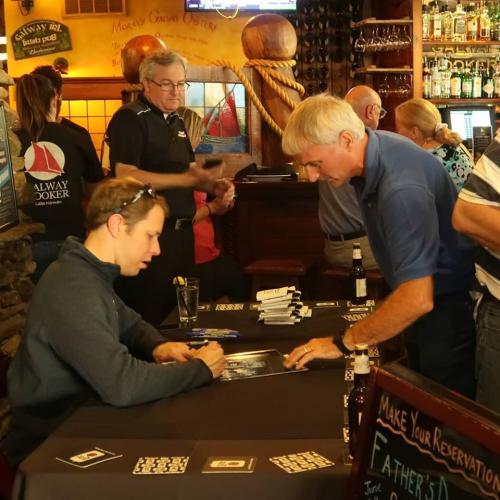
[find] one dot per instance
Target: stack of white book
(281, 306)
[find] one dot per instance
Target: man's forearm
(157, 180)
(479, 222)
(404, 306)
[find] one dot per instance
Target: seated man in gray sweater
(81, 341)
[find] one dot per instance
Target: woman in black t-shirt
(57, 160)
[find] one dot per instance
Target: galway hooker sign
(39, 38)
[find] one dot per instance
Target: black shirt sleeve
(126, 139)
(93, 170)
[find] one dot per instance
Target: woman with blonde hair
(420, 121)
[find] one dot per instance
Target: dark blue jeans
(441, 344)
(488, 354)
(44, 253)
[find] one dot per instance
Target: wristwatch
(339, 344)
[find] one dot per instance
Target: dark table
(261, 417)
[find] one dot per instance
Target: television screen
(463, 119)
(244, 5)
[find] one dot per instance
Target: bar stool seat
(339, 283)
(276, 272)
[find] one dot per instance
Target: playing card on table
(161, 465)
(352, 318)
(301, 462)
(229, 307)
(229, 465)
(88, 457)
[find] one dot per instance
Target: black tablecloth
(261, 417)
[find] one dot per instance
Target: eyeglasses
(169, 86)
(382, 113)
(146, 190)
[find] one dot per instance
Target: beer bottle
(358, 276)
(358, 394)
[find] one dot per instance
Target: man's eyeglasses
(169, 86)
(146, 190)
(382, 113)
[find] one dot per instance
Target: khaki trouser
(339, 253)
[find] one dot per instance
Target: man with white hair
(339, 212)
(407, 199)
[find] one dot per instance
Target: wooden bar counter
(274, 220)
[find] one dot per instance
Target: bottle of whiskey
(496, 79)
(358, 276)
(427, 80)
(472, 22)
(357, 396)
(484, 23)
(426, 22)
(455, 83)
(466, 83)
(459, 24)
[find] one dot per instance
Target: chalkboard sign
(8, 207)
(420, 441)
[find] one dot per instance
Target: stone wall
(16, 289)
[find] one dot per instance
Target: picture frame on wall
(8, 206)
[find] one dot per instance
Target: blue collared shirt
(407, 199)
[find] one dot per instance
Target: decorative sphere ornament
(269, 36)
(134, 51)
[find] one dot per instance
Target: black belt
(344, 237)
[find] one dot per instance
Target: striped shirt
(483, 188)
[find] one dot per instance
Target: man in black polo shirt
(148, 141)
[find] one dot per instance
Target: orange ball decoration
(134, 51)
(269, 36)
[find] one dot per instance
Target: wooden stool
(274, 273)
(339, 283)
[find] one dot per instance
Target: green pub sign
(39, 38)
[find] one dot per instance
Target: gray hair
(161, 58)
(319, 120)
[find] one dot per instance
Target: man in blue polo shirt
(407, 200)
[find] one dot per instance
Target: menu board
(8, 208)
(481, 139)
(420, 441)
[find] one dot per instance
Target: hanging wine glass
(378, 42)
(384, 88)
(360, 43)
(406, 38)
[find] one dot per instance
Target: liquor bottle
(427, 80)
(445, 81)
(495, 23)
(455, 83)
(472, 22)
(488, 83)
(426, 21)
(459, 24)
(358, 276)
(466, 83)
(437, 23)
(447, 23)
(484, 23)
(436, 81)
(477, 83)
(358, 394)
(496, 79)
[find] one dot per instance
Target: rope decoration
(266, 69)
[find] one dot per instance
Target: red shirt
(204, 234)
